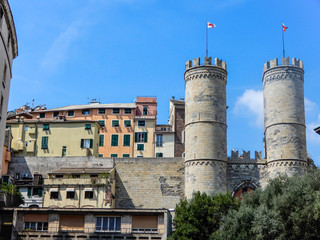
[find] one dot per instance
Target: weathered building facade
(8, 51)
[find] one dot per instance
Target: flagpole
(284, 55)
(207, 39)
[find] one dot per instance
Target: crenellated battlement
(285, 62)
(207, 62)
(245, 157)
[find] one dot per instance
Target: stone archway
(243, 187)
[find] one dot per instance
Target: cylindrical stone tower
(205, 127)
(284, 118)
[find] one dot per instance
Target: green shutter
(126, 140)
(91, 143)
(145, 137)
(87, 126)
(82, 143)
(29, 191)
(114, 140)
(159, 154)
(44, 143)
(136, 137)
(101, 140)
(40, 191)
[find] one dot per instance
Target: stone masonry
(205, 126)
(284, 117)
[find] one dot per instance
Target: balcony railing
(56, 230)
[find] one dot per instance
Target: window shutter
(29, 191)
(136, 137)
(82, 143)
(40, 192)
(91, 143)
(145, 137)
(44, 142)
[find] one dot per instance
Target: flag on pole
(210, 25)
(284, 28)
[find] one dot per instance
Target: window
(101, 140)
(114, 140)
(70, 113)
(159, 154)
(108, 224)
(70, 193)
(140, 147)
(139, 155)
(75, 176)
(86, 143)
(183, 135)
(1, 105)
(127, 111)
(115, 123)
(88, 194)
(101, 123)
(101, 111)
(59, 176)
(145, 110)
(55, 114)
(44, 143)
(86, 112)
(100, 155)
(87, 126)
(113, 155)
(64, 151)
(141, 137)
(45, 127)
(35, 226)
(4, 76)
(126, 155)
(126, 140)
(141, 123)
(42, 115)
(115, 111)
(127, 123)
(54, 195)
(159, 140)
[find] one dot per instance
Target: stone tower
(284, 118)
(205, 127)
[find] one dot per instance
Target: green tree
(288, 209)
(200, 217)
(14, 195)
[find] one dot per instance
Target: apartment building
(116, 122)
(77, 223)
(54, 137)
(144, 127)
(80, 188)
(164, 141)
(8, 51)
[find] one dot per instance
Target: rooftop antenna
(32, 103)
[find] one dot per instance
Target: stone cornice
(211, 72)
(11, 26)
(282, 73)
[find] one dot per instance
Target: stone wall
(43, 165)
(149, 182)
(140, 182)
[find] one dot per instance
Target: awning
(53, 190)
(70, 190)
(88, 190)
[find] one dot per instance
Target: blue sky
(115, 50)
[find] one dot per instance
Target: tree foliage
(288, 209)
(200, 217)
(14, 195)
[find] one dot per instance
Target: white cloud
(309, 105)
(58, 51)
(250, 105)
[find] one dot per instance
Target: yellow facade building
(55, 137)
(80, 188)
(144, 136)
